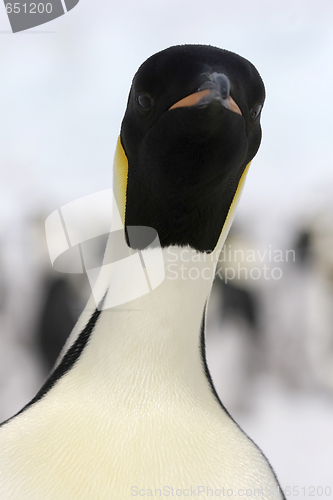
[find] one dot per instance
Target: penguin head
(191, 127)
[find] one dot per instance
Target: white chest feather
(135, 412)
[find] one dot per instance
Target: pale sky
(64, 92)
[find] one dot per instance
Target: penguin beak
(215, 88)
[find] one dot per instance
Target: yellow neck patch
(120, 175)
(232, 210)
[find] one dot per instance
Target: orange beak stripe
(191, 100)
(195, 98)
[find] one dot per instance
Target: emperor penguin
(130, 409)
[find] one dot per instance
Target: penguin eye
(145, 102)
(255, 111)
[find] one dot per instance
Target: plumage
(130, 406)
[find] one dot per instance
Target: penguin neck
(153, 343)
(154, 338)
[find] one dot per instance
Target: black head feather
(185, 163)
